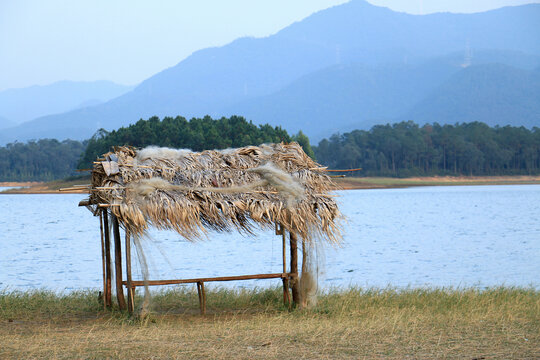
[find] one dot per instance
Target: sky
(127, 41)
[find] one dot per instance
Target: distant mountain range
(496, 94)
(346, 67)
(24, 104)
(5, 123)
(347, 97)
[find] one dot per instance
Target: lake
(458, 236)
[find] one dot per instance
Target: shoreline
(346, 183)
(361, 183)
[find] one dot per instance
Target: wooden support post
(108, 270)
(286, 296)
(202, 297)
(294, 269)
(118, 264)
(102, 258)
(130, 290)
(304, 271)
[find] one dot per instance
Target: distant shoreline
(15, 183)
(352, 183)
(347, 183)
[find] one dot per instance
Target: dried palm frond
(191, 192)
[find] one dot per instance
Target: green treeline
(42, 160)
(406, 149)
(402, 149)
(197, 134)
(45, 160)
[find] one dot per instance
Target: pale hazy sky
(127, 41)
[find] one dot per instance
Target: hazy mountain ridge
(346, 94)
(415, 36)
(5, 123)
(215, 80)
(24, 104)
(490, 93)
(356, 96)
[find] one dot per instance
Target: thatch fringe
(190, 192)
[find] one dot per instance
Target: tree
(196, 134)
(405, 149)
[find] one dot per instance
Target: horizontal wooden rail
(222, 278)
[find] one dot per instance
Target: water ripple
(433, 236)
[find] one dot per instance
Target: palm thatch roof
(191, 192)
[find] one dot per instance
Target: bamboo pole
(304, 271)
(74, 189)
(130, 294)
(102, 258)
(221, 278)
(108, 270)
(286, 296)
(118, 264)
(294, 268)
(343, 170)
(202, 296)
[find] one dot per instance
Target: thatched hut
(270, 186)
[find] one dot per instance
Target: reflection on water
(434, 236)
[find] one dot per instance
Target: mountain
(88, 103)
(356, 96)
(25, 104)
(495, 94)
(212, 81)
(5, 123)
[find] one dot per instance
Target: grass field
(499, 323)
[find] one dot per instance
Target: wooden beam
(294, 268)
(222, 278)
(107, 205)
(343, 170)
(108, 269)
(118, 264)
(85, 203)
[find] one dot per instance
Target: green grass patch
(334, 303)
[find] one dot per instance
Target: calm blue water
(431, 236)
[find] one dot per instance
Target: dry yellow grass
(351, 324)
